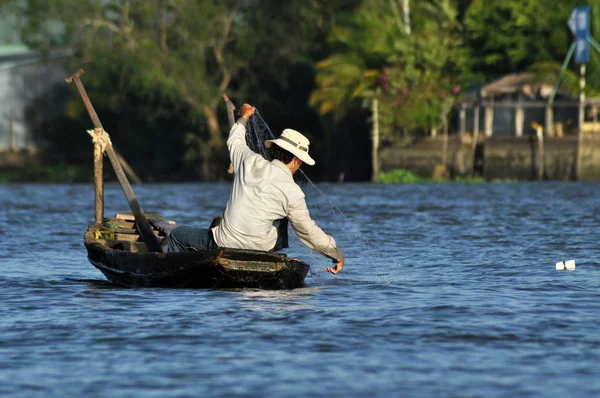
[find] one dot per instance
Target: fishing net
(321, 206)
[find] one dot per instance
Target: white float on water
(570, 265)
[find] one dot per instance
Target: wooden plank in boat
(123, 227)
(126, 230)
(254, 266)
(127, 217)
(135, 247)
(127, 237)
(120, 223)
(130, 217)
(131, 236)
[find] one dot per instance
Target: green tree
(426, 73)
(178, 56)
(511, 35)
(412, 73)
(172, 59)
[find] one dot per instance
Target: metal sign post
(579, 23)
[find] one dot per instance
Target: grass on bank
(402, 176)
(60, 173)
(63, 173)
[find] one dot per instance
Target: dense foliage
(156, 69)
(415, 73)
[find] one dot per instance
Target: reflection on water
(275, 300)
(448, 290)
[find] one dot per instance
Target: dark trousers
(282, 234)
(188, 239)
(193, 239)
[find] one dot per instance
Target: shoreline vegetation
(65, 173)
(403, 176)
(56, 174)
(374, 81)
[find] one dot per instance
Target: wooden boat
(116, 248)
(127, 250)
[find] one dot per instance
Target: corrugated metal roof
(12, 49)
(14, 56)
(517, 83)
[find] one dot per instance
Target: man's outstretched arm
(312, 236)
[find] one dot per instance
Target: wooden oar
(140, 218)
(230, 108)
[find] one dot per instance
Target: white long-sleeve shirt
(263, 192)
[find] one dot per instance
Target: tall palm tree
(403, 74)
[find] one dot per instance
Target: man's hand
(246, 111)
(338, 267)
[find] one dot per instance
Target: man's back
(261, 194)
(264, 192)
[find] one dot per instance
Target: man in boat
(263, 197)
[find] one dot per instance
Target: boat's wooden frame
(116, 248)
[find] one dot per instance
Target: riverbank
(27, 165)
(402, 176)
(425, 160)
(37, 173)
(513, 158)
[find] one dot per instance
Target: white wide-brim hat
(295, 143)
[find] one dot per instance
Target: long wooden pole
(445, 141)
(98, 186)
(140, 218)
(463, 122)
(128, 169)
(231, 117)
(540, 153)
(375, 143)
(581, 121)
(475, 136)
(230, 109)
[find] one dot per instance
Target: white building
(23, 79)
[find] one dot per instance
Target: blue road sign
(579, 23)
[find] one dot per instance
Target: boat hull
(210, 268)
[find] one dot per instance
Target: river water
(449, 290)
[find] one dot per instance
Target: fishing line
(257, 132)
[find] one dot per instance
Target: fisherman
(263, 197)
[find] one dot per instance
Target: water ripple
(448, 290)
